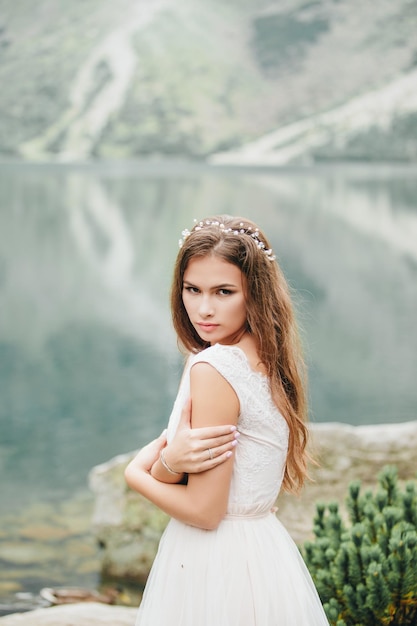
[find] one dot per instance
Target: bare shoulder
(204, 377)
(214, 401)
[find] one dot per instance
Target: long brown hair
(270, 319)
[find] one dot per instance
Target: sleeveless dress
(247, 572)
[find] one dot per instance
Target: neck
(237, 337)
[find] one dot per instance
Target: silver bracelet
(165, 464)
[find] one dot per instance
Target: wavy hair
(270, 320)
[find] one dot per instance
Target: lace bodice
(260, 455)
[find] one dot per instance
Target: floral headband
(242, 230)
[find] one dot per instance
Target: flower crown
(242, 230)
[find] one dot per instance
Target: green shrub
(366, 572)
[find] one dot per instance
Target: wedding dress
(247, 572)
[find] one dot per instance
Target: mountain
(247, 81)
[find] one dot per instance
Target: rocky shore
(89, 614)
(128, 528)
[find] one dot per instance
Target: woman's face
(214, 297)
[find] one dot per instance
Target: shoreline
(174, 166)
(58, 545)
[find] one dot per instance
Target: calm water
(88, 360)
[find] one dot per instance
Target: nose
(206, 306)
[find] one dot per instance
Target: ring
(210, 453)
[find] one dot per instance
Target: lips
(206, 326)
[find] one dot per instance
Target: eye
(191, 289)
(225, 292)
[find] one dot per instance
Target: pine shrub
(366, 570)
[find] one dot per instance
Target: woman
(225, 559)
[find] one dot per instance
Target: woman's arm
(194, 450)
(203, 501)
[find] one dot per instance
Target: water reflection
(88, 361)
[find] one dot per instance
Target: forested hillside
(193, 78)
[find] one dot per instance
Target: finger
(212, 432)
(206, 463)
(211, 457)
(217, 442)
(217, 460)
(216, 452)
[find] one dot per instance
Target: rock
(85, 614)
(20, 553)
(346, 453)
(128, 527)
(45, 533)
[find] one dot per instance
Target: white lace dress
(247, 572)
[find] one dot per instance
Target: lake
(88, 360)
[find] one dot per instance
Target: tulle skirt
(247, 572)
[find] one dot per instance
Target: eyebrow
(222, 286)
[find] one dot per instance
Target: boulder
(83, 614)
(346, 453)
(128, 527)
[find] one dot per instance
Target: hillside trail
(92, 106)
(378, 107)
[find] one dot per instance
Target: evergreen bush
(366, 571)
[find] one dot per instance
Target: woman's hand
(149, 454)
(195, 450)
